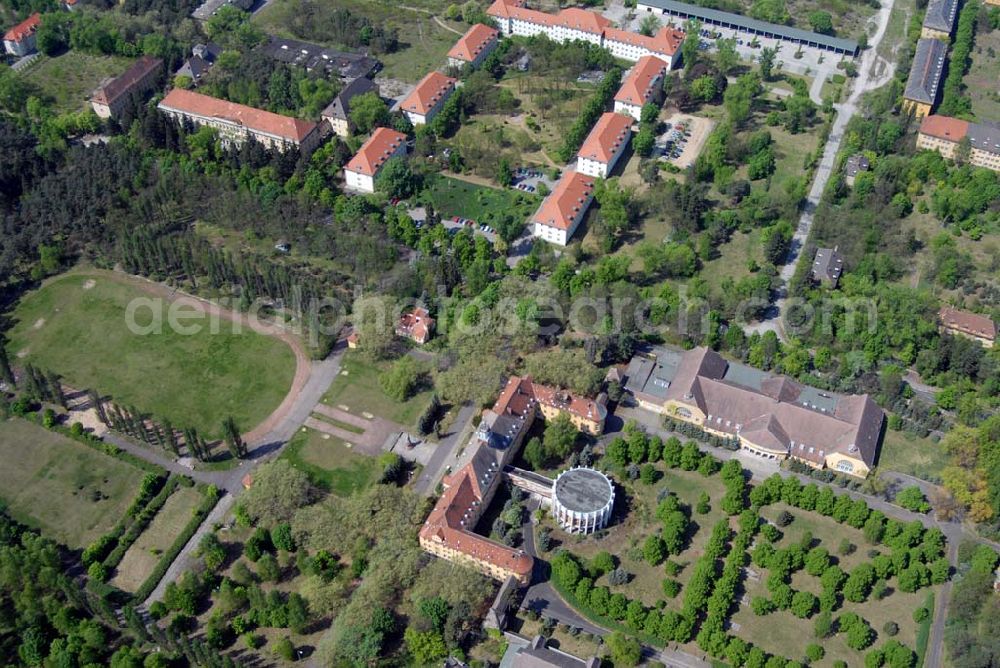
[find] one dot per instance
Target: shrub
(890, 628)
(784, 518)
(921, 614)
(815, 652)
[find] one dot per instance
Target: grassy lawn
(552, 104)
(68, 80)
(907, 453)
(337, 423)
(849, 18)
(984, 72)
(71, 493)
(783, 633)
(142, 557)
(359, 391)
(194, 380)
(330, 463)
(452, 197)
(423, 43)
(625, 536)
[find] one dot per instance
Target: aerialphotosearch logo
(687, 315)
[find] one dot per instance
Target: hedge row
(99, 550)
(200, 513)
(142, 521)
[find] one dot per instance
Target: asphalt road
(445, 452)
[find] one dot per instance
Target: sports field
(76, 325)
(73, 494)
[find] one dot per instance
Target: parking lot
(683, 139)
(528, 178)
(419, 216)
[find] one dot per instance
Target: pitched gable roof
(944, 127)
(925, 72)
(24, 29)
(573, 193)
(376, 151)
(940, 15)
(122, 85)
(476, 39)
(639, 85)
(666, 41)
(607, 137)
(341, 105)
(968, 322)
(427, 93)
(257, 120)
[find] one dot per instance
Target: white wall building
(562, 211)
(604, 145)
(643, 85)
(427, 98)
(360, 172)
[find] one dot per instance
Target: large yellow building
(772, 417)
(945, 135)
(922, 85)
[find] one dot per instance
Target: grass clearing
(984, 72)
(330, 463)
(72, 493)
(142, 557)
(69, 79)
(908, 453)
(358, 390)
(454, 197)
(194, 380)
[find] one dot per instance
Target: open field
(452, 197)
(71, 493)
(849, 18)
(142, 557)
(68, 80)
(984, 72)
(330, 463)
(906, 453)
(424, 43)
(358, 389)
(75, 325)
(549, 104)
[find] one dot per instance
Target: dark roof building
(925, 72)
(109, 100)
(202, 58)
(855, 164)
(940, 16)
(747, 24)
(522, 653)
(827, 266)
(338, 112)
(345, 65)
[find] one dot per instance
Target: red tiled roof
(944, 127)
(638, 87)
(431, 88)
(258, 120)
(609, 133)
(374, 152)
(25, 28)
(123, 84)
(447, 524)
(973, 324)
(516, 398)
(666, 41)
(473, 42)
(573, 18)
(584, 407)
(416, 324)
(561, 207)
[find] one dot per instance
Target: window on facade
(844, 465)
(683, 412)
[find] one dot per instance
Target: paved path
(873, 72)
(935, 645)
(445, 452)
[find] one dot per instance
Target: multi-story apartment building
(772, 417)
(644, 84)
(974, 326)
(604, 145)
(921, 91)
(939, 19)
(472, 48)
(236, 123)
(20, 40)
(338, 112)
(945, 135)
(360, 172)
(579, 24)
(427, 98)
(564, 208)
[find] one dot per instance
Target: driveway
(445, 452)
